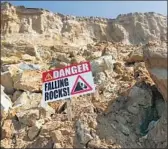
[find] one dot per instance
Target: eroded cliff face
(129, 106)
(133, 28)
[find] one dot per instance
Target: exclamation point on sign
(68, 91)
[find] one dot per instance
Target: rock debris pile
(128, 57)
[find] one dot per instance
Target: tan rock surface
(156, 61)
(126, 111)
(7, 82)
(28, 81)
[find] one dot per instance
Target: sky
(107, 9)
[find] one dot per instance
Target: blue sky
(108, 9)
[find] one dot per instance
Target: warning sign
(67, 82)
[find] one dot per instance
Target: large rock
(101, 64)
(24, 66)
(83, 132)
(16, 95)
(155, 57)
(157, 137)
(78, 59)
(34, 131)
(29, 80)
(56, 136)
(135, 56)
(8, 129)
(6, 103)
(10, 60)
(28, 100)
(29, 117)
(7, 82)
(139, 96)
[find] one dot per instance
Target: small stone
(140, 96)
(65, 131)
(78, 59)
(34, 131)
(111, 141)
(83, 133)
(29, 80)
(121, 119)
(6, 143)
(56, 136)
(93, 124)
(28, 100)
(28, 57)
(7, 82)
(100, 77)
(101, 64)
(10, 60)
(50, 126)
(41, 142)
(96, 143)
(6, 103)
(7, 129)
(124, 129)
(57, 145)
(133, 110)
(16, 95)
(29, 117)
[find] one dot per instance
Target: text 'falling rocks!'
(57, 89)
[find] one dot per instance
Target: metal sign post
(69, 109)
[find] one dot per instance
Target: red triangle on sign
(80, 86)
(48, 77)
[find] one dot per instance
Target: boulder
(6, 143)
(28, 100)
(10, 60)
(124, 129)
(100, 77)
(101, 64)
(57, 136)
(13, 69)
(7, 129)
(63, 57)
(158, 135)
(111, 51)
(50, 126)
(133, 109)
(29, 80)
(16, 95)
(6, 103)
(7, 82)
(139, 96)
(121, 119)
(83, 132)
(29, 117)
(57, 145)
(155, 58)
(78, 59)
(41, 142)
(27, 57)
(24, 66)
(34, 131)
(135, 56)
(96, 54)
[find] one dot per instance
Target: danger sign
(67, 82)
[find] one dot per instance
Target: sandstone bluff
(128, 58)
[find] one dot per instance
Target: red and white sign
(67, 82)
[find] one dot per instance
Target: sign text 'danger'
(67, 71)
